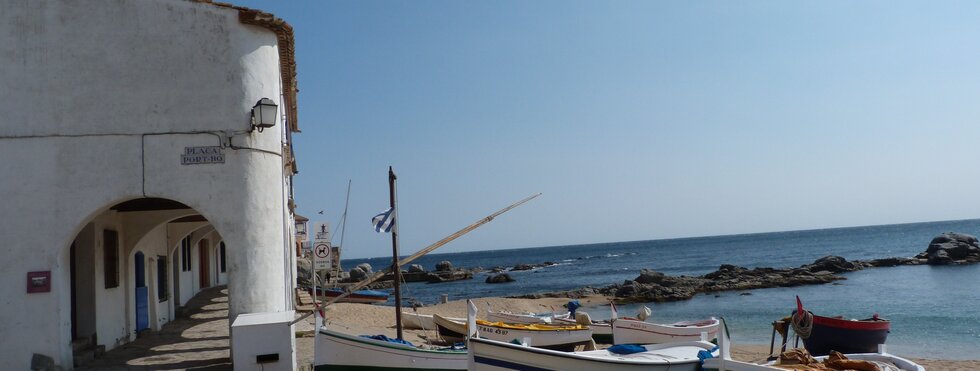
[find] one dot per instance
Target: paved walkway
(196, 341)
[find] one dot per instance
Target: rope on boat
(802, 324)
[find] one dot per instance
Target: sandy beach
(377, 319)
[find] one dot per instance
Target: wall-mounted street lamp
(264, 114)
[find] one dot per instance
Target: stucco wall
(82, 83)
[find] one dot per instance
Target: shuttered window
(110, 241)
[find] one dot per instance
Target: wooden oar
(418, 254)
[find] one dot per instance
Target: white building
(132, 175)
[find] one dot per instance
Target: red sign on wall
(38, 281)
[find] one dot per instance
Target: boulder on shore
(366, 268)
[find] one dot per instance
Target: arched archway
(121, 265)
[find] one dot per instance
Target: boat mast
(396, 271)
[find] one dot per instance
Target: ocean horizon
(932, 315)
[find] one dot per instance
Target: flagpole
(416, 255)
(396, 271)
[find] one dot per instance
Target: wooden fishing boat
(724, 362)
(536, 335)
(529, 318)
(488, 354)
(419, 321)
(339, 351)
(601, 330)
(634, 331)
(842, 335)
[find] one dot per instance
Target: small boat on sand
(601, 330)
(536, 335)
(529, 318)
(487, 354)
(419, 321)
(880, 360)
(821, 334)
(336, 350)
(634, 331)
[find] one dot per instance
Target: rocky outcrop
(947, 248)
(656, 286)
(415, 268)
(952, 248)
(444, 266)
(366, 268)
(500, 278)
(357, 274)
(450, 275)
(527, 267)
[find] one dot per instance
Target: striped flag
(384, 221)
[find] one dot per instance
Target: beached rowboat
(842, 335)
(530, 318)
(632, 331)
(544, 336)
(419, 321)
(339, 351)
(882, 359)
(486, 354)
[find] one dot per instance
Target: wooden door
(205, 275)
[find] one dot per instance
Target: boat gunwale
(363, 340)
(870, 325)
(573, 355)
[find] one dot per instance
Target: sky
(636, 120)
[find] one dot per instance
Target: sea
(935, 310)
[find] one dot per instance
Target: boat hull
(508, 317)
(845, 336)
(361, 296)
(628, 331)
(601, 331)
(490, 355)
(338, 351)
(565, 338)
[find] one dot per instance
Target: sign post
(321, 255)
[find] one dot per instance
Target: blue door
(142, 300)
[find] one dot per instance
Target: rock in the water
(357, 274)
(522, 267)
(366, 268)
(834, 264)
(416, 268)
(649, 276)
(951, 247)
(500, 278)
(444, 266)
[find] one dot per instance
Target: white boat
(632, 331)
(536, 335)
(419, 321)
(530, 318)
(601, 330)
(487, 354)
(335, 350)
(884, 361)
